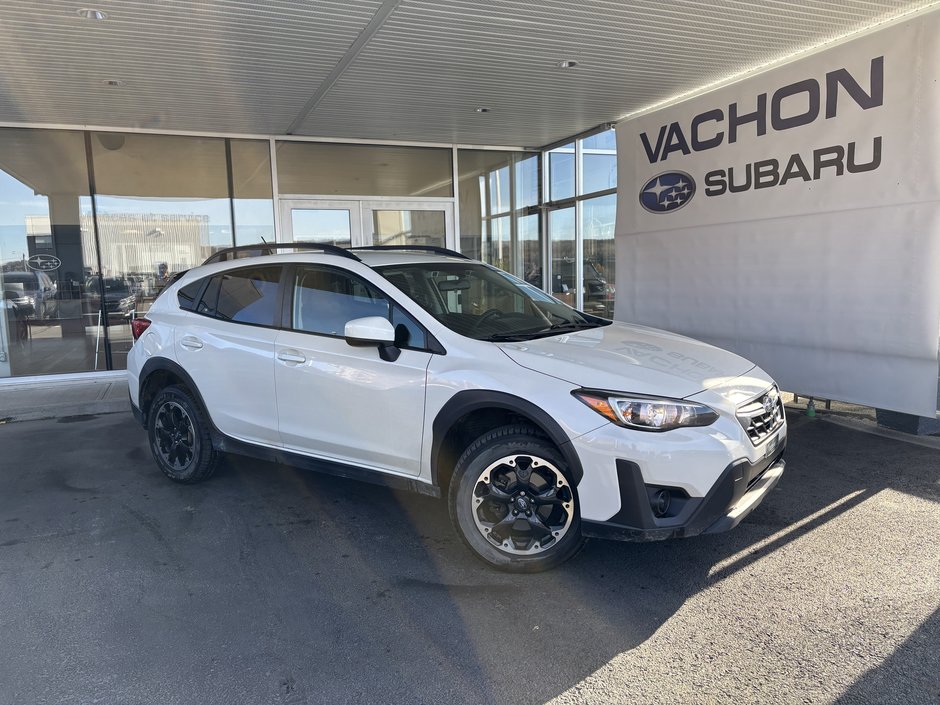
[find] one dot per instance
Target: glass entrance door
(408, 223)
(353, 223)
(323, 222)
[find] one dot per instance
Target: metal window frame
(577, 201)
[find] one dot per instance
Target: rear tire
(179, 436)
(513, 503)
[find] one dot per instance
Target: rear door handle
(291, 356)
(190, 342)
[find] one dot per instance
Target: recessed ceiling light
(112, 82)
(90, 13)
(567, 64)
(483, 110)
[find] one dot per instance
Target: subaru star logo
(44, 263)
(667, 192)
(769, 402)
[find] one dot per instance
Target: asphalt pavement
(270, 585)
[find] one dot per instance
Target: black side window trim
(287, 309)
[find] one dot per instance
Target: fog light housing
(660, 502)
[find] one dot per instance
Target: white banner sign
(794, 217)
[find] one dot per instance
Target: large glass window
(561, 173)
(598, 216)
(563, 249)
(48, 262)
(252, 191)
(499, 216)
(326, 169)
(163, 207)
(598, 162)
(581, 232)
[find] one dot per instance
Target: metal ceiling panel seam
(375, 24)
(246, 67)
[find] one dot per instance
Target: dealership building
(763, 176)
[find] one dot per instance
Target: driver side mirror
(373, 330)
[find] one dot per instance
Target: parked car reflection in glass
(36, 289)
(120, 298)
(598, 293)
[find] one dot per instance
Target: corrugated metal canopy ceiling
(393, 70)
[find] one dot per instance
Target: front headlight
(647, 413)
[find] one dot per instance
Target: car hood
(630, 358)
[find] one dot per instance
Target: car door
(227, 347)
(343, 402)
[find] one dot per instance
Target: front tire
(179, 436)
(512, 501)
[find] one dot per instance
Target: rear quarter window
(249, 295)
(186, 296)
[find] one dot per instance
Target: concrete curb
(52, 400)
(111, 406)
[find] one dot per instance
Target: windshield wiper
(541, 332)
(570, 325)
(510, 337)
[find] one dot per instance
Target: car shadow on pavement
(271, 585)
(407, 597)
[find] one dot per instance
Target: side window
(210, 298)
(249, 295)
(243, 295)
(187, 294)
(408, 333)
(325, 299)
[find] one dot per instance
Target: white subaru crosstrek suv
(419, 368)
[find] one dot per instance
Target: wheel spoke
(548, 497)
(538, 527)
(503, 528)
(494, 493)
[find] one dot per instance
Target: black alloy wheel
(523, 504)
(512, 501)
(175, 436)
(179, 436)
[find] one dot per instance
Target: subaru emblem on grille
(768, 403)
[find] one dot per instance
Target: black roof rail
(268, 248)
(415, 248)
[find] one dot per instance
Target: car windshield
(25, 279)
(485, 303)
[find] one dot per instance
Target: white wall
(826, 276)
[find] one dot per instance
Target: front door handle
(291, 356)
(191, 342)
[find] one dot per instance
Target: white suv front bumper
(714, 476)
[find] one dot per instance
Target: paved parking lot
(270, 585)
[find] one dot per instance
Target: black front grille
(762, 416)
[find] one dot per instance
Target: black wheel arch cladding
(468, 401)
